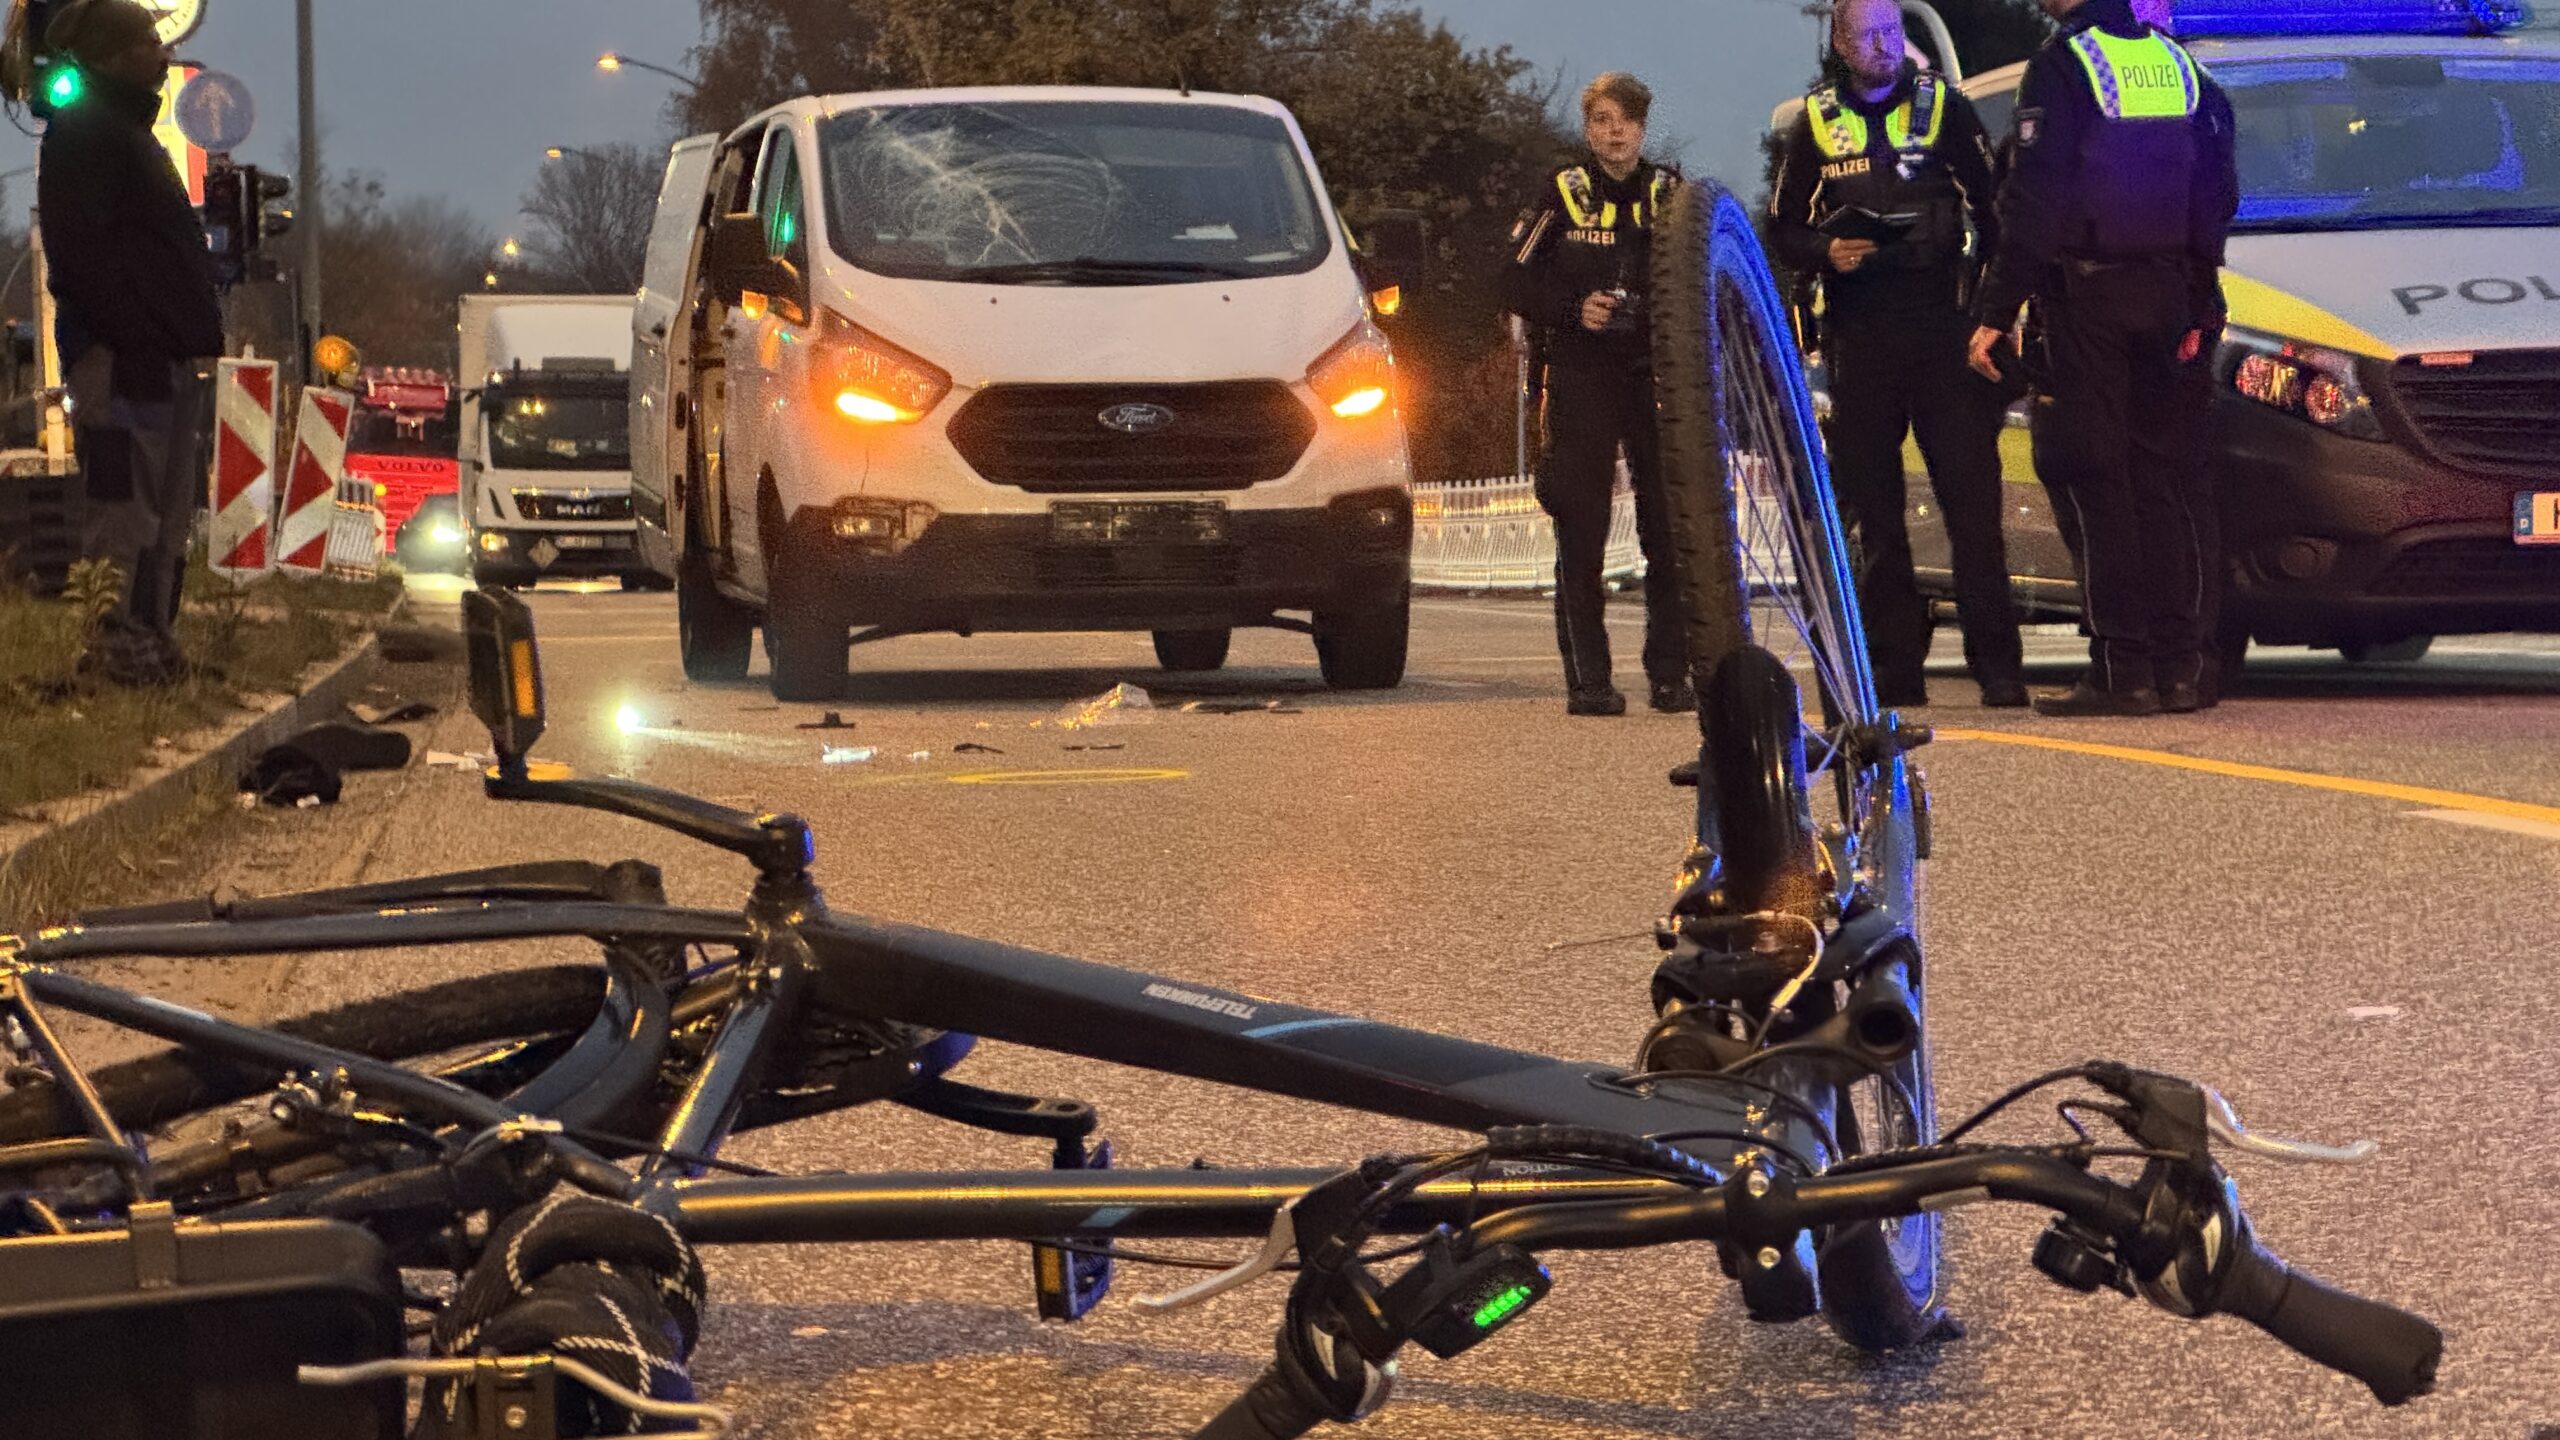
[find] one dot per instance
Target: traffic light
(227, 232)
(52, 80)
(272, 219)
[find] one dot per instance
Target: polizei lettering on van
(2490, 290)
(1215, 1004)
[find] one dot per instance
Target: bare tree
(590, 211)
(394, 270)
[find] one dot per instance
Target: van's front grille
(1089, 439)
(2498, 414)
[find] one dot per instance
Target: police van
(2387, 391)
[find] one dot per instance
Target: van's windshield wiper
(1091, 268)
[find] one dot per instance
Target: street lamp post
(559, 152)
(614, 60)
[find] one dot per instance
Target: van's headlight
(865, 379)
(1357, 376)
(2304, 381)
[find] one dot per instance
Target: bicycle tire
(1733, 413)
(155, 1089)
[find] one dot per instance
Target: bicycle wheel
(1764, 564)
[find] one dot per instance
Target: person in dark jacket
(137, 318)
(1885, 139)
(2114, 221)
(1579, 279)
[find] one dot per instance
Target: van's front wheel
(1363, 649)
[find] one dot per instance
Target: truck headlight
(493, 541)
(2304, 381)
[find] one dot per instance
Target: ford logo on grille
(1138, 417)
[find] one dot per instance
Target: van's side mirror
(506, 674)
(737, 261)
(1394, 257)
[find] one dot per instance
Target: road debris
(446, 759)
(832, 720)
(915, 755)
(846, 754)
(1114, 745)
(1239, 707)
(2373, 1012)
(1122, 704)
(306, 769)
(398, 713)
(972, 747)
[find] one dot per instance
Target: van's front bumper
(1016, 572)
(2335, 541)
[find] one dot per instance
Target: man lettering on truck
(136, 318)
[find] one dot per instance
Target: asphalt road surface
(2243, 896)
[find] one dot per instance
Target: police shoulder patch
(2029, 121)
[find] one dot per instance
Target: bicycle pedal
(1068, 1283)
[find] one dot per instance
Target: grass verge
(61, 735)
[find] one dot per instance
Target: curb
(144, 803)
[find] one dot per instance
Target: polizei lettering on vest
(1215, 1004)
(2164, 76)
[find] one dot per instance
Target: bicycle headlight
(2304, 381)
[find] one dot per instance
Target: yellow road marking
(2420, 795)
(1066, 777)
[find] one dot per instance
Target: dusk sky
(459, 97)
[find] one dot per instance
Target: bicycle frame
(792, 955)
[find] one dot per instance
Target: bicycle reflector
(1451, 1307)
(506, 673)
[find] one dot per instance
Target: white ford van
(1018, 359)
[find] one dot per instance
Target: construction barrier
(309, 512)
(244, 449)
(355, 530)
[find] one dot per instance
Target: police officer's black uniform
(1894, 332)
(2114, 220)
(1591, 234)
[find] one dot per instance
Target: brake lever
(1275, 1248)
(2223, 1123)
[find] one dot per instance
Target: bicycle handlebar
(2393, 1352)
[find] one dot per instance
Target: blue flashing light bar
(2200, 19)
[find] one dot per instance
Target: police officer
(1885, 139)
(1578, 278)
(2114, 220)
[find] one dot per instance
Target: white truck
(545, 439)
(1032, 358)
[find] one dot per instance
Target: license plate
(1122, 522)
(579, 542)
(2538, 517)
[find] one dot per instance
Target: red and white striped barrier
(244, 450)
(311, 486)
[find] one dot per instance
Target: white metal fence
(1492, 535)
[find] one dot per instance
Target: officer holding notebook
(1886, 196)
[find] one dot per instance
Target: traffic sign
(215, 111)
(175, 20)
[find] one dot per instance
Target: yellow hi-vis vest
(1583, 207)
(2152, 78)
(1840, 132)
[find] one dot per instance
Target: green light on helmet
(65, 86)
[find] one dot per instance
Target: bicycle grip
(1271, 1410)
(2392, 1351)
